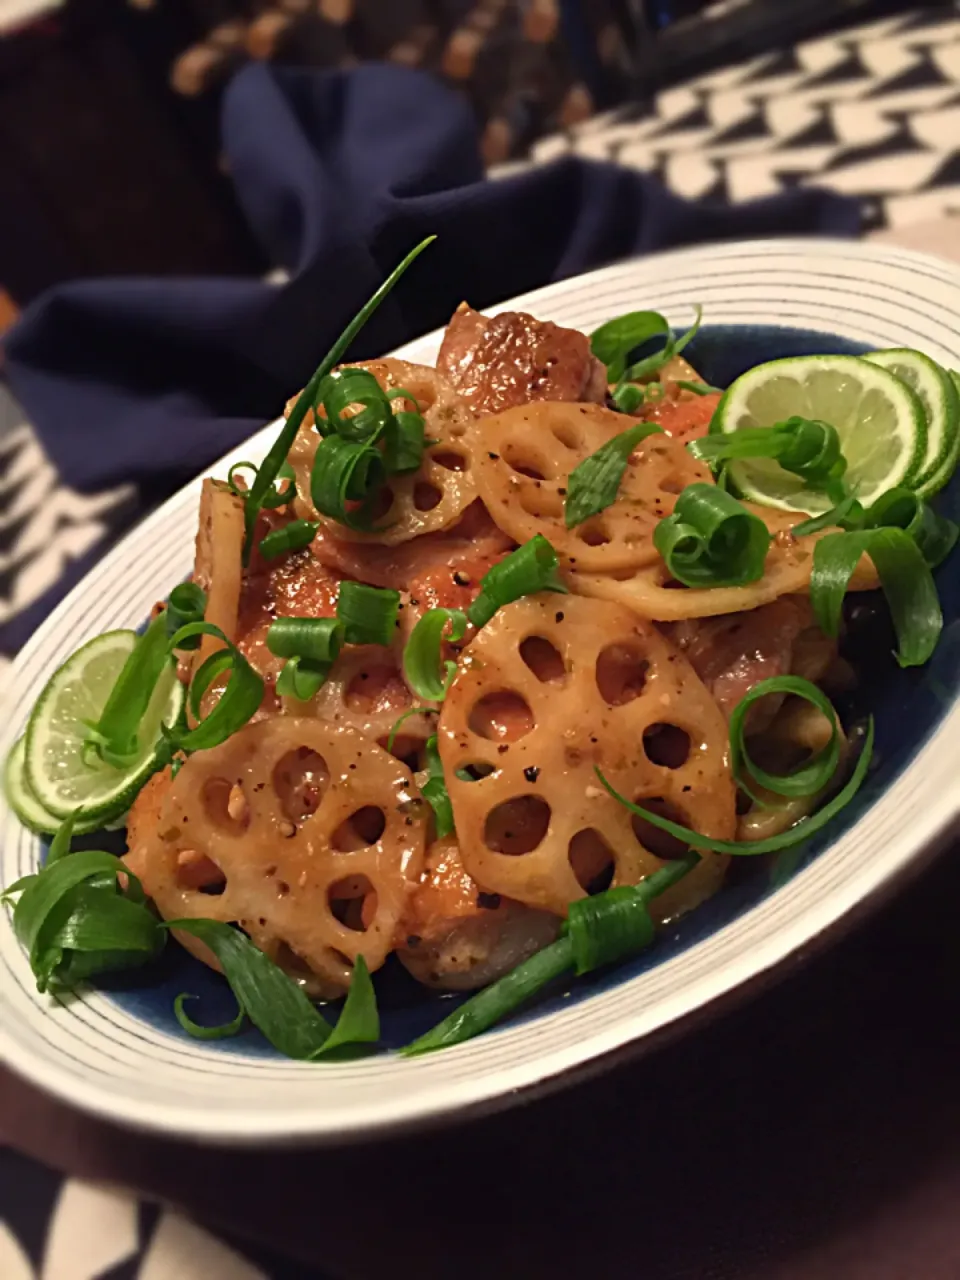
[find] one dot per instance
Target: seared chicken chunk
(510, 359)
(456, 937)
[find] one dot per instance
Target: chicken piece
(451, 585)
(294, 586)
(458, 938)
(682, 414)
(731, 654)
(474, 534)
(511, 359)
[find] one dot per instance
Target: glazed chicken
(511, 359)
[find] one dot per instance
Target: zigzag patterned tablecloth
(873, 112)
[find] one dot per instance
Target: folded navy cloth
(339, 174)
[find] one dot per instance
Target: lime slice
(879, 419)
(941, 408)
(26, 805)
(56, 769)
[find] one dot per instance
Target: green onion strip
(601, 930)
(113, 737)
(275, 1004)
(593, 484)
(434, 790)
(805, 828)
(531, 568)
(904, 576)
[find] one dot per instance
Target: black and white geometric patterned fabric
(54, 1228)
(67, 1229)
(872, 111)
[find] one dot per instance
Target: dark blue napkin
(339, 173)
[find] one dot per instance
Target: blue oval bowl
(907, 706)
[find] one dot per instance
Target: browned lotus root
(366, 691)
(317, 835)
(218, 567)
(551, 687)
(524, 459)
(425, 501)
(650, 592)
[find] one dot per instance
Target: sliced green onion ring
(345, 471)
(237, 703)
(270, 468)
(711, 540)
(368, 614)
(813, 776)
(311, 646)
(531, 568)
(422, 668)
(345, 388)
(187, 603)
(628, 397)
(290, 537)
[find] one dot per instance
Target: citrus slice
(26, 805)
(879, 419)
(941, 406)
(61, 775)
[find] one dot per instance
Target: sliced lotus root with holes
(523, 462)
(317, 834)
(366, 691)
(425, 501)
(552, 687)
(651, 593)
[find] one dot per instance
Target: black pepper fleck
(414, 940)
(531, 773)
(488, 901)
(558, 616)
(461, 579)
(503, 748)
